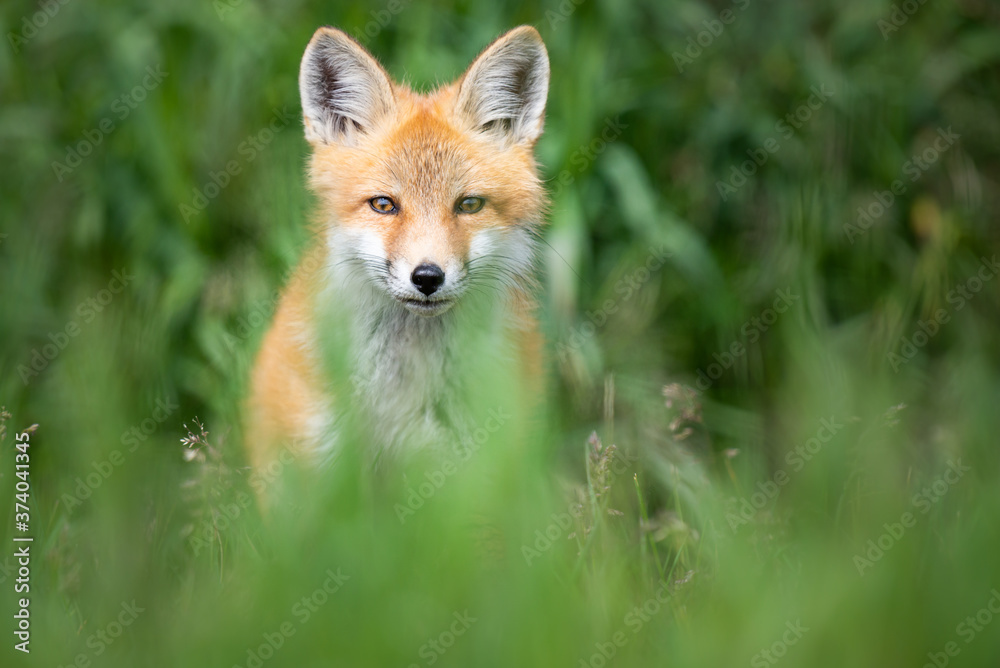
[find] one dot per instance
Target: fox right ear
(344, 90)
(503, 92)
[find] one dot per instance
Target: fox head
(426, 198)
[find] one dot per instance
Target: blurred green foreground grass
(769, 282)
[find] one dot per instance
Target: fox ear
(503, 92)
(344, 90)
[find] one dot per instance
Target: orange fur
(425, 152)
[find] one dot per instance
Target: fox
(417, 289)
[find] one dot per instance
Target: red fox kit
(417, 288)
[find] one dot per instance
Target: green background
(748, 505)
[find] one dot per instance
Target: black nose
(427, 278)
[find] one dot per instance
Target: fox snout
(426, 288)
(427, 278)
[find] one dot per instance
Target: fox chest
(407, 386)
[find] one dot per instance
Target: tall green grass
(713, 478)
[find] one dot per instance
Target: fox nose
(427, 278)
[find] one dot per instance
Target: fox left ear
(344, 90)
(503, 92)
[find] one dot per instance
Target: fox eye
(470, 204)
(382, 204)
